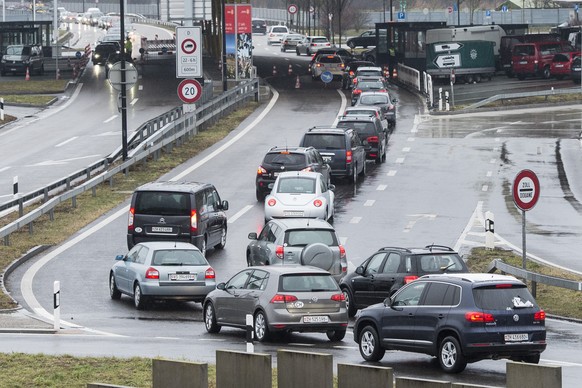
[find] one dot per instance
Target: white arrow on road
(439, 48)
(448, 60)
(63, 161)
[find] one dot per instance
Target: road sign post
(526, 191)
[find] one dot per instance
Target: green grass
(33, 92)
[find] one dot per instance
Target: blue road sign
(401, 16)
(488, 13)
(326, 77)
(576, 7)
(78, 54)
(504, 8)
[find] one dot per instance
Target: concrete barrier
(243, 370)
(178, 374)
(521, 374)
(302, 369)
(352, 376)
(407, 382)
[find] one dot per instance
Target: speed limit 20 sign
(189, 91)
(526, 189)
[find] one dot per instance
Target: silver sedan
(161, 270)
(300, 194)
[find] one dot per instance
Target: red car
(562, 63)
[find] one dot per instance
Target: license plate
(559, 65)
(316, 319)
(162, 229)
(523, 63)
(182, 276)
(515, 337)
(294, 213)
(327, 159)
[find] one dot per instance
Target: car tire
(559, 77)
(384, 156)
(533, 359)
(369, 344)
(546, 74)
(261, 327)
(451, 358)
(354, 176)
(297, 52)
(260, 196)
(336, 335)
(139, 301)
(520, 77)
(113, 290)
(349, 302)
(222, 242)
(249, 263)
(210, 319)
(364, 169)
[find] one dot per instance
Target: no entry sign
(526, 189)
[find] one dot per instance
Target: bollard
(440, 99)
(15, 185)
(447, 106)
(489, 230)
(57, 304)
(250, 333)
(1, 109)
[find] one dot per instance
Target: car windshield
(503, 297)
(18, 50)
(178, 257)
(374, 100)
(369, 73)
(441, 263)
(307, 283)
(370, 85)
(162, 203)
(324, 141)
(279, 30)
(285, 159)
(303, 237)
(363, 128)
(296, 185)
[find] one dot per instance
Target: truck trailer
(470, 61)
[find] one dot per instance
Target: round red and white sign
(526, 190)
(292, 9)
(188, 46)
(189, 91)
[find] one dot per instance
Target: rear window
(285, 159)
(324, 141)
(303, 237)
(307, 283)
(319, 40)
(162, 203)
(524, 50)
(279, 30)
(363, 128)
(359, 112)
(374, 100)
(561, 58)
(552, 48)
(18, 50)
(178, 257)
(329, 59)
(507, 297)
(296, 185)
(371, 85)
(369, 73)
(441, 263)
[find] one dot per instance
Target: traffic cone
(297, 83)
(274, 70)
(290, 71)
(27, 77)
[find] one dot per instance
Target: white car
(276, 34)
(300, 194)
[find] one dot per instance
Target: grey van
(178, 211)
(19, 58)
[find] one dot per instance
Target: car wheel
(222, 242)
(336, 335)
(354, 176)
(261, 327)
(369, 344)
(210, 319)
(546, 72)
(260, 196)
(138, 299)
(379, 158)
(297, 52)
(384, 156)
(249, 263)
(364, 169)
(535, 359)
(350, 306)
(113, 290)
(351, 45)
(450, 356)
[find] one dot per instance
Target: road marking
(111, 118)
(67, 141)
(418, 217)
(381, 187)
(140, 87)
(406, 149)
(369, 202)
(4, 168)
(468, 227)
(239, 214)
(355, 220)
(391, 173)
(63, 161)
(485, 188)
(134, 101)
(489, 173)
(345, 347)
(399, 160)
(110, 133)
(492, 161)
(342, 108)
(411, 139)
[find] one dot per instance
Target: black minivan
(178, 211)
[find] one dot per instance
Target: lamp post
(55, 36)
(458, 12)
(223, 23)
(391, 16)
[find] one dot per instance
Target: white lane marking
(221, 149)
(399, 160)
(342, 109)
(26, 284)
(140, 87)
(489, 173)
(411, 139)
(111, 118)
(4, 168)
(492, 161)
(345, 347)
(110, 133)
(468, 227)
(391, 173)
(134, 101)
(355, 220)
(62, 161)
(406, 149)
(239, 214)
(381, 187)
(67, 141)
(418, 217)
(560, 363)
(485, 188)
(369, 202)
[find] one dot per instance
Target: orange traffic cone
(290, 71)
(297, 83)
(274, 70)
(27, 77)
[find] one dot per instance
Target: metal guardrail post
(74, 202)
(20, 207)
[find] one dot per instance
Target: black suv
(20, 58)
(177, 211)
(341, 149)
(390, 268)
(259, 26)
(350, 72)
(457, 318)
(371, 132)
(102, 51)
(281, 159)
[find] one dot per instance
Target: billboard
(239, 41)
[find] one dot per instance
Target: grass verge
(33, 92)
(68, 220)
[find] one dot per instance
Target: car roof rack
(441, 247)
(397, 248)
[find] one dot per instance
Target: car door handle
(441, 316)
(410, 315)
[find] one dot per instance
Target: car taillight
(351, 73)
(193, 221)
(209, 274)
(317, 203)
(280, 298)
(130, 219)
(261, 170)
(382, 90)
(355, 81)
(342, 66)
(152, 273)
(357, 91)
(313, 45)
(342, 252)
(474, 316)
(280, 252)
(348, 156)
(408, 279)
(272, 202)
(318, 65)
(540, 316)
(338, 297)
(372, 139)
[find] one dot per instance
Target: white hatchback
(276, 34)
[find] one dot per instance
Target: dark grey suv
(457, 318)
(372, 135)
(341, 148)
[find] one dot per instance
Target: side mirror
(224, 205)
(221, 286)
(332, 187)
(252, 236)
(120, 257)
(360, 270)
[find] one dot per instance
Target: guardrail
(535, 278)
(148, 140)
(507, 96)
